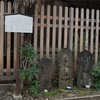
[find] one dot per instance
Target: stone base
(17, 97)
(7, 87)
(92, 97)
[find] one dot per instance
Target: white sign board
(18, 23)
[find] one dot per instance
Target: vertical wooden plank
(71, 29)
(42, 32)
(92, 31)
(8, 44)
(65, 27)
(35, 30)
(76, 40)
(81, 30)
(48, 31)
(54, 34)
(2, 38)
(60, 29)
(97, 36)
(87, 29)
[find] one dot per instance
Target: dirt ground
(52, 95)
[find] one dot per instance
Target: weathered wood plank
(66, 28)
(3, 78)
(54, 34)
(71, 29)
(97, 36)
(8, 52)
(2, 38)
(76, 40)
(87, 30)
(42, 32)
(60, 29)
(92, 31)
(8, 45)
(35, 31)
(48, 32)
(81, 30)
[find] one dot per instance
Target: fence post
(87, 30)
(54, 34)
(66, 28)
(81, 30)
(2, 38)
(71, 29)
(60, 29)
(8, 45)
(92, 31)
(76, 40)
(48, 31)
(97, 36)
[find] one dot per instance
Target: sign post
(18, 23)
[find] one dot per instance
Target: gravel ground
(77, 93)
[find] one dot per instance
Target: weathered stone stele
(46, 73)
(65, 63)
(85, 66)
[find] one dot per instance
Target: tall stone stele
(65, 64)
(46, 74)
(85, 66)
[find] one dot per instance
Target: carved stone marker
(46, 73)
(65, 63)
(85, 66)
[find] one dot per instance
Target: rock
(71, 95)
(65, 64)
(47, 70)
(85, 66)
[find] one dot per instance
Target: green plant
(28, 70)
(27, 74)
(56, 92)
(34, 88)
(96, 75)
(27, 54)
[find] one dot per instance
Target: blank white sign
(18, 23)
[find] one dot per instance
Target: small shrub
(34, 88)
(96, 75)
(28, 69)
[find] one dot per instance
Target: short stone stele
(65, 63)
(46, 73)
(85, 66)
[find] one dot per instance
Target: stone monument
(65, 64)
(47, 70)
(85, 66)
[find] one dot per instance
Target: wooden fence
(55, 28)
(8, 47)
